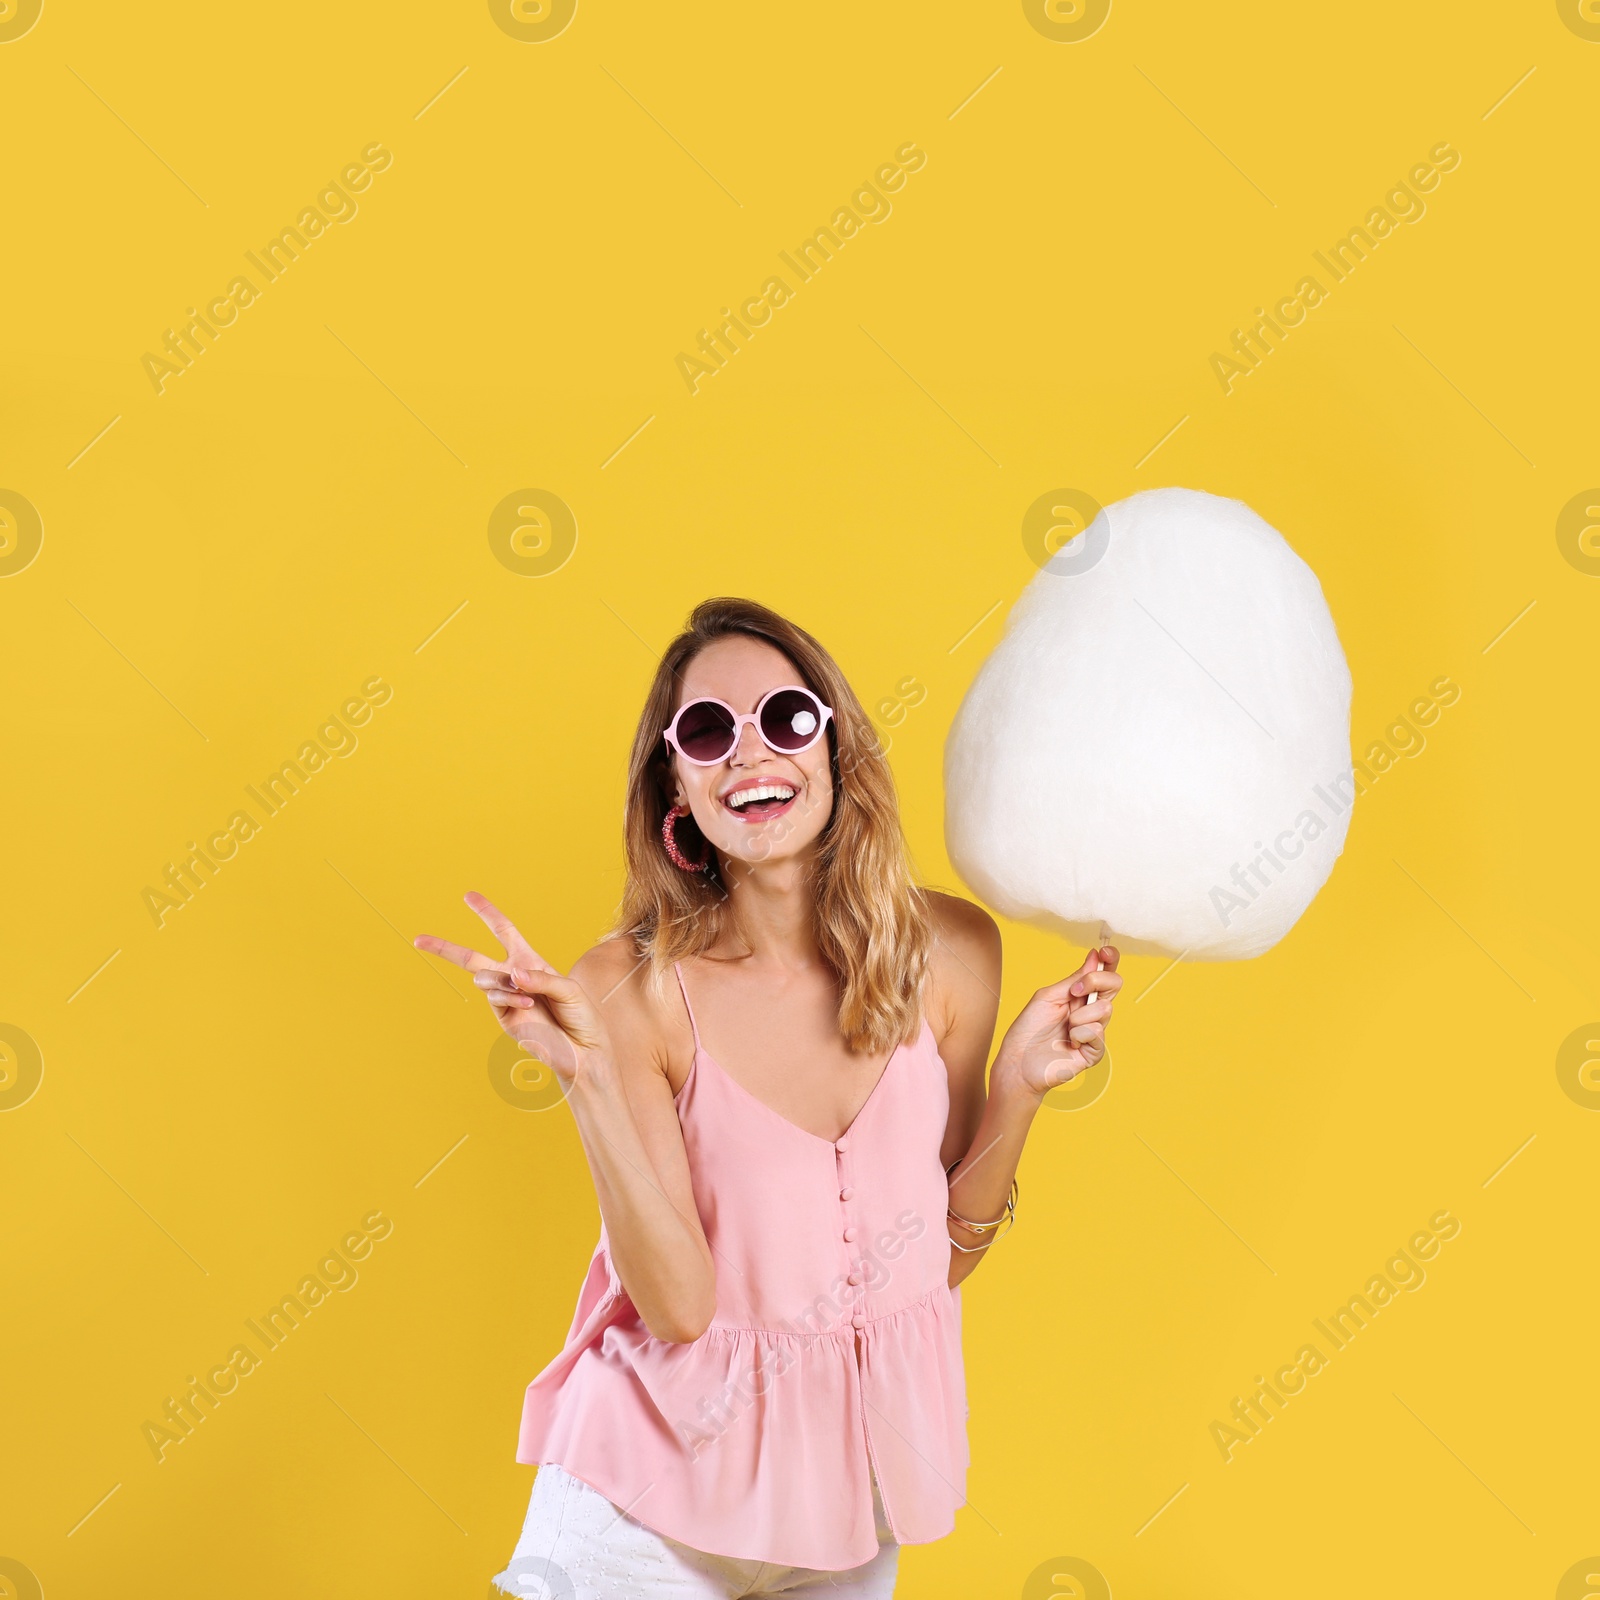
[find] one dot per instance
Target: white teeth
(764, 791)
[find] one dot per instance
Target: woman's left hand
(1062, 1029)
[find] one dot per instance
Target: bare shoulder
(964, 927)
(646, 1024)
(605, 966)
(965, 966)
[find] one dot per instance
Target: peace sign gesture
(548, 1015)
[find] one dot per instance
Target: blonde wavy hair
(872, 921)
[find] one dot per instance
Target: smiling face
(756, 805)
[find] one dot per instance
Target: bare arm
(596, 1030)
(634, 1144)
(981, 1184)
(1059, 1033)
(986, 1131)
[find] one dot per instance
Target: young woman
(776, 1068)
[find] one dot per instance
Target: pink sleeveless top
(835, 1350)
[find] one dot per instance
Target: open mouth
(756, 802)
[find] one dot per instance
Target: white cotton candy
(1157, 754)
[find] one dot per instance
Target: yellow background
(306, 505)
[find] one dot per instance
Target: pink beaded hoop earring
(669, 829)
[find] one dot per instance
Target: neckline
(700, 1052)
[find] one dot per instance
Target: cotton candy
(1157, 753)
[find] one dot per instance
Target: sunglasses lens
(790, 721)
(705, 731)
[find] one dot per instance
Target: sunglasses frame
(671, 733)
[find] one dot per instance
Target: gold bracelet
(973, 1249)
(1008, 1217)
(984, 1227)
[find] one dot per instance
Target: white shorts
(576, 1545)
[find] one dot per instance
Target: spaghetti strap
(684, 990)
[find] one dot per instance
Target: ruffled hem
(758, 1444)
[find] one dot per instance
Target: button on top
(846, 1192)
(850, 1234)
(855, 1277)
(842, 1143)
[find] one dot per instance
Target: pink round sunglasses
(789, 719)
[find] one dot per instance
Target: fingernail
(1077, 988)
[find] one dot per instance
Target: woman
(776, 1068)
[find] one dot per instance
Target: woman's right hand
(549, 1015)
